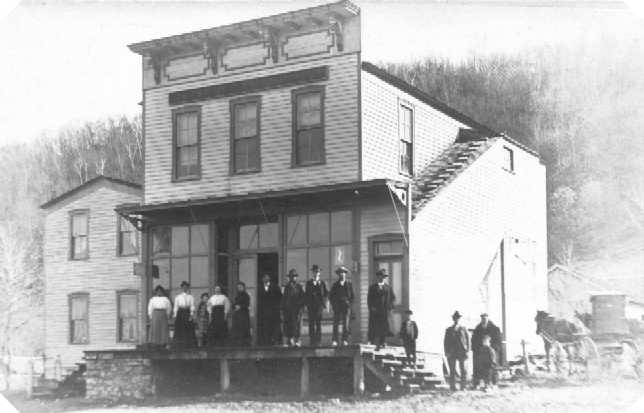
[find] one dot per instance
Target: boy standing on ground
(487, 362)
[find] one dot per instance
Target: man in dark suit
(316, 295)
(292, 303)
(269, 298)
(341, 298)
(380, 300)
(484, 328)
(457, 347)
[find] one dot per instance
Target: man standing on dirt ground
(457, 347)
(341, 298)
(292, 303)
(484, 328)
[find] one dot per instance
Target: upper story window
(186, 127)
(406, 136)
(79, 318)
(128, 241)
(308, 126)
(508, 159)
(79, 234)
(245, 135)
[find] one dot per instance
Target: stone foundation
(117, 375)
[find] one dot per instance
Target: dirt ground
(534, 395)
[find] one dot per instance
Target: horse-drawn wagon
(604, 339)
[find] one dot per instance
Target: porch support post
(224, 375)
(304, 380)
(358, 374)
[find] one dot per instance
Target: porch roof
(340, 191)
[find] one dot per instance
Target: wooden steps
(389, 365)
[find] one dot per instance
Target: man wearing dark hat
(269, 300)
(380, 300)
(292, 303)
(341, 298)
(316, 295)
(484, 328)
(457, 347)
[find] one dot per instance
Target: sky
(66, 62)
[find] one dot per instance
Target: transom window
(79, 318)
(186, 127)
(245, 133)
(182, 254)
(323, 239)
(128, 326)
(308, 145)
(79, 248)
(128, 240)
(406, 134)
(258, 236)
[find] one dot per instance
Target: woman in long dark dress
(218, 308)
(241, 317)
(184, 312)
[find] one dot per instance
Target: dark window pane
(199, 272)
(246, 154)
(319, 256)
(296, 230)
(309, 146)
(164, 273)
(199, 236)
(341, 228)
(179, 272)
(268, 235)
(161, 240)
(319, 228)
(296, 259)
(248, 238)
(180, 241)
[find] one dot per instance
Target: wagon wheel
(632, 359)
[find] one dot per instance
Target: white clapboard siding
(341, 137)
(102, 275)
(454, 239)
(434, 131)
(377, 219)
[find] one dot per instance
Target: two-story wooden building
(92, 300)
(271, 145)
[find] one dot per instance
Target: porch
(138, 374)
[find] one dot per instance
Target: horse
(558, 332)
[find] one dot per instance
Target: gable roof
(94, 181)
(467, 148)
(440, 106)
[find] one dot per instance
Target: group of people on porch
(280, 312)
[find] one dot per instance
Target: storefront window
(181, 254)
(322, 239)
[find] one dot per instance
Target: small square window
(508, 159)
